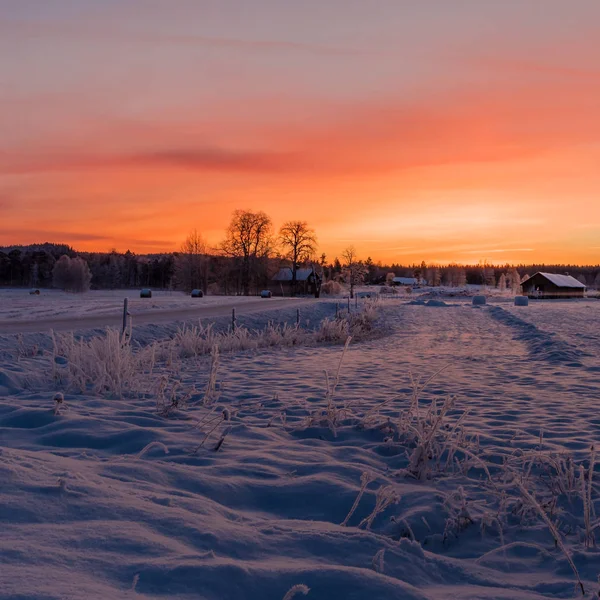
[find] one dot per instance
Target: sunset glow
(438, 131)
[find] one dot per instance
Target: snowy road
(167, 315)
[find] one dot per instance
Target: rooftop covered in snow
(563, 281)
(285, 274)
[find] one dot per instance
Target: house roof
(285, 274)
(560, 280)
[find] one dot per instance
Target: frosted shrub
(385, 497)
(71, 274)
(107, 364)
(211, 394)
(333, 330)
(296, 590)
(194, 340)
(112, 365)
(171, 396)
(459, 516)
(190, 341)
(365, 479)
(331, 288)
(553, 530)
(356, 325)
(214, 425)
(387, 289)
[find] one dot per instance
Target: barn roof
(285, 274)
(560, 280)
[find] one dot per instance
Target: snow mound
(437, 303)
(434, 303)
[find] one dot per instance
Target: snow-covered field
(18, 304)
(239, 476)
(57, 310)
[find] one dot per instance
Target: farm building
(407, 281)
(308, 282)
(551, 285)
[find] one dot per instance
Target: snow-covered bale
(266, 294)
(146, 293)
(521, 301)
(479, 300)
(197, 294)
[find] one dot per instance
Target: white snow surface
(20, 305)
(108, 499)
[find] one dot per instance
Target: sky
(436, 130)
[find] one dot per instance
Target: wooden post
(348, 304)
(297, 317)
(233, 319)
(125, 313)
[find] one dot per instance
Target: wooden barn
(405, 281)
(308, 282)
(551, 285)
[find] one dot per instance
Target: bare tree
(502, 282)
(299, 243)
(249, 238)
(191, 264)
(354, 270)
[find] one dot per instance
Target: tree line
(246, 260)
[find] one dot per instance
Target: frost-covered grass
(450, 458)
(112, 365)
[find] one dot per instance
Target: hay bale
(197, 294)
(146, 293)
(266, 294)
(521, 301)
(34, 292)
(479, 300)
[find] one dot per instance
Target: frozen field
(239, 476)
(54, 309)
(18, 304)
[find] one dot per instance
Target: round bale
(479, 300)
(146, 293)
(197, 294)
(266, 294)
(521, 301)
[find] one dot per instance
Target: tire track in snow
(542, 345)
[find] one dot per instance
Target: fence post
(298, 317)
(125, 311)
(348, 304)
(233, 319)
